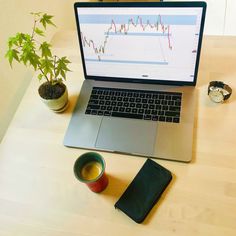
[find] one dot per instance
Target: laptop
(140, 63)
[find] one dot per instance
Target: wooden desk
(39, 194)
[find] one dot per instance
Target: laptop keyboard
(136, 104)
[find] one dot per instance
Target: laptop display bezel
(143, 5)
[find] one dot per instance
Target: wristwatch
(219, 91)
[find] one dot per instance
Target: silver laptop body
(143, 47)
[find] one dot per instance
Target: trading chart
(142, 43)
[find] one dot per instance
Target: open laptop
(140, 63)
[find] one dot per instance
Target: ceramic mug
(89, 168)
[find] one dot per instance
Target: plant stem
(32, 35)
(54, 65)
(44, 74)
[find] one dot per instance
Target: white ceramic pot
(57, 105)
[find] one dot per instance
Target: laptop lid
(149, 42)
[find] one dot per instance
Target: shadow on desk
(115, 187)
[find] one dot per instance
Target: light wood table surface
(39, 194)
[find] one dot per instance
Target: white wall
(220, 17)
(230, 19)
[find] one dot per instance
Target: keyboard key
(174, 108)
(169, 119)
(154, 112)
(93, 102)
(163, 102)
(178, 103)
(100, 113)
(94, 96)
(121, 109)
(127, 115)
(176, 97)
(147, 117)
(93, 107)
(176, 120)
(172, 113)
(94, 112)
(145, 106)
(141, 110)
(147, 112)
(128, 109)
(151, 106)
(154, 118)
(162, 118)
(131, 99)
(107, 113)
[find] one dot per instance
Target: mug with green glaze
(89, 168)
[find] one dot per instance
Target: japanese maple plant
(31, 50)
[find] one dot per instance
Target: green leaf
(61, 67)
(47, 66)
(19, 37)
(28, 50)
(34, 60)
(15, 40)
(40, 76)
(11, 42)
(46, 20)
(45, 48)
(11, 55)
(39, 31)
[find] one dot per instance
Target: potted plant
(30, 51)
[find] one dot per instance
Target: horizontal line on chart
(137, 34)
(128, 62)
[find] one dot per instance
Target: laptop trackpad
(127, 135)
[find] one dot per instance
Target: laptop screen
(153, 42)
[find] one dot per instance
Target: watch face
(216, 95)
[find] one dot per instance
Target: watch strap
(229, 90)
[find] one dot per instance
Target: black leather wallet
(144, 191)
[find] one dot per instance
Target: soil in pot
(49, 91)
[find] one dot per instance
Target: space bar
(127, 115)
